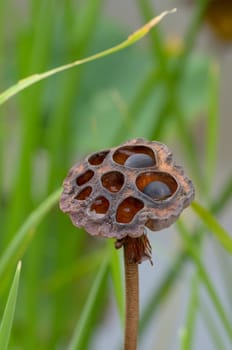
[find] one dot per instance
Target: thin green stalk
(80, 268)
(2, 124)
(145, 90)
(163, 291)
(187, 332)
(116, 275)
(58, 134)
(223, 197)
(183, 130)
(188, 145)
(18, 245)
(4, 9)
(34, 53)
(187, 336)
(193, 251)
(59, 137)
(157, 39)
(171, 104)
(185, 136)
(223, 263)
(212, 126)
(37, 56)
(214, 226)
(134, 37)
(8, 316)
(3, 143)
(218, 339)
(194, 27)
(84, 323)
(177, 266)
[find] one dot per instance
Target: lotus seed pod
(120, 191)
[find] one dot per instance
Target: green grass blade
(177, 266)
(8, 316)
(224, 196)
(205, 278)
(187, 332)
(80, 28)
(116, 275)
(218, 339)
(84, 322)
(223, 261)
(152, 79)
(219, 232)
(19, 243)
(57, 135)
(82, 266)
(157, 40)
(194, 27)
(163, 291)
(137, 35)
(33, 55)
(212, 126)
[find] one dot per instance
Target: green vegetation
(154, 90)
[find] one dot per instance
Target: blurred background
(175, 87)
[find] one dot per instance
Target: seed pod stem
(132, 298)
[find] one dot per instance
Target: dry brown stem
(132, 299)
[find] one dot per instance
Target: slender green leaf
(205, 278)
(177, 266)
(212, 126)
(137, 35)
(116, 275)
(33, 57)
(8, 316)
(224, 196)
(187, 332)
(58, 131)
(188, 144)
(219, 232)
(23, 236)
(193, 30)
(85, 319)
(223, 261)
(163, 290)
(80, 268)
(157, 41)
(218, 339)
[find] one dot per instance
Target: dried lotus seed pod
(120, 191)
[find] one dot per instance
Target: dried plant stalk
(132, 299)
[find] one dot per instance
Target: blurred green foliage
(153, 90)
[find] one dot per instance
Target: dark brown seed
(139, 160)
(157, 190)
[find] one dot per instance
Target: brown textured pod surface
(119, 191)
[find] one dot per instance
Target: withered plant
(117, 193)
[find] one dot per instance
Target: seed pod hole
(84, 178)
(121, 155)
(100, 205)
(157, 185)
(127, 209)
(84, 194)
(98, 158)
(113, 181)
